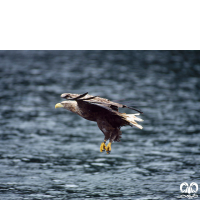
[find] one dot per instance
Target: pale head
(69, 105)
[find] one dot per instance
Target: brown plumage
(102, 111)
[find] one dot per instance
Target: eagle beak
(59, 105)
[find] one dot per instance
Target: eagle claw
(108, 148)
(102, 147)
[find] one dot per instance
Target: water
(54, 154)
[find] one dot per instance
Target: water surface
(54, 154)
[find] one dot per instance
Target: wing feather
(104, 111)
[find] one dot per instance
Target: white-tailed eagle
(102, 111)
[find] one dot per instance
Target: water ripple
(53, 154)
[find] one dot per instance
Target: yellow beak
(59, 105)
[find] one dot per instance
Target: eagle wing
(103, 111)
(98, 100)
(95, 108)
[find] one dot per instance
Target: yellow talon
(103, 146)
(108, 148)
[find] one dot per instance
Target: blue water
(54, 154)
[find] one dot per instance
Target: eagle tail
(131, 118)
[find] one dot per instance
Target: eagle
(102, 111)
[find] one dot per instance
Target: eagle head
(69, 105)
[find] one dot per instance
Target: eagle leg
(108, 148)
(103, 146)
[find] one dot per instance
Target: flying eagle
(102, 111)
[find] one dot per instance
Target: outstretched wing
(102, 111)
(95, 108)
(98, 101)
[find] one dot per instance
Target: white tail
(131, 118)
